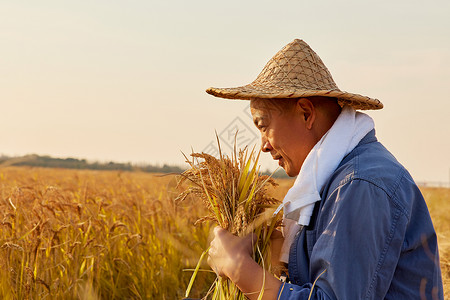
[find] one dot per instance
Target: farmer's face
(285, 133)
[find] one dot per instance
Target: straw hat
(295, 71)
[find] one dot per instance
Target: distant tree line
(75, 163)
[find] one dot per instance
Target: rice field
(81, 234)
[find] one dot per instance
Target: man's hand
(227, 252)
(231, 256)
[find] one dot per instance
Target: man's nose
(265, 145)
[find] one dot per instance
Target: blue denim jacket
(371, 233)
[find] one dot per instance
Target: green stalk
(252, 192)
(261, 293)
(244, 173)
(250, 179)
(194, 275)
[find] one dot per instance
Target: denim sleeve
(359, 237)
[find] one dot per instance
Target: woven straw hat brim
(295, 71)
(251, 92)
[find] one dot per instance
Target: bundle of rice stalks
(235, 194)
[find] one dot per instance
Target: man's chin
(287, 168)
(290, 172)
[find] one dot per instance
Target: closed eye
(261, 127)
(260, 123)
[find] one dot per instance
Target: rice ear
(235, 194)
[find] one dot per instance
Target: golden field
(80, 234)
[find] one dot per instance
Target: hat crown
(295, 71)
(296, 66)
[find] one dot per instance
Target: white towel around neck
(323, 159)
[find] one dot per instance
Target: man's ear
(306, 108)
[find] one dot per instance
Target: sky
(125, 81)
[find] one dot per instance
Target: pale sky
(125, 80)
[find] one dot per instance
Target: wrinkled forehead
(260, 108)
(262, 104)
(272, 105)
(265, 105)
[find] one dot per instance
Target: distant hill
(46, 161)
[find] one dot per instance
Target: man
(356, 225)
